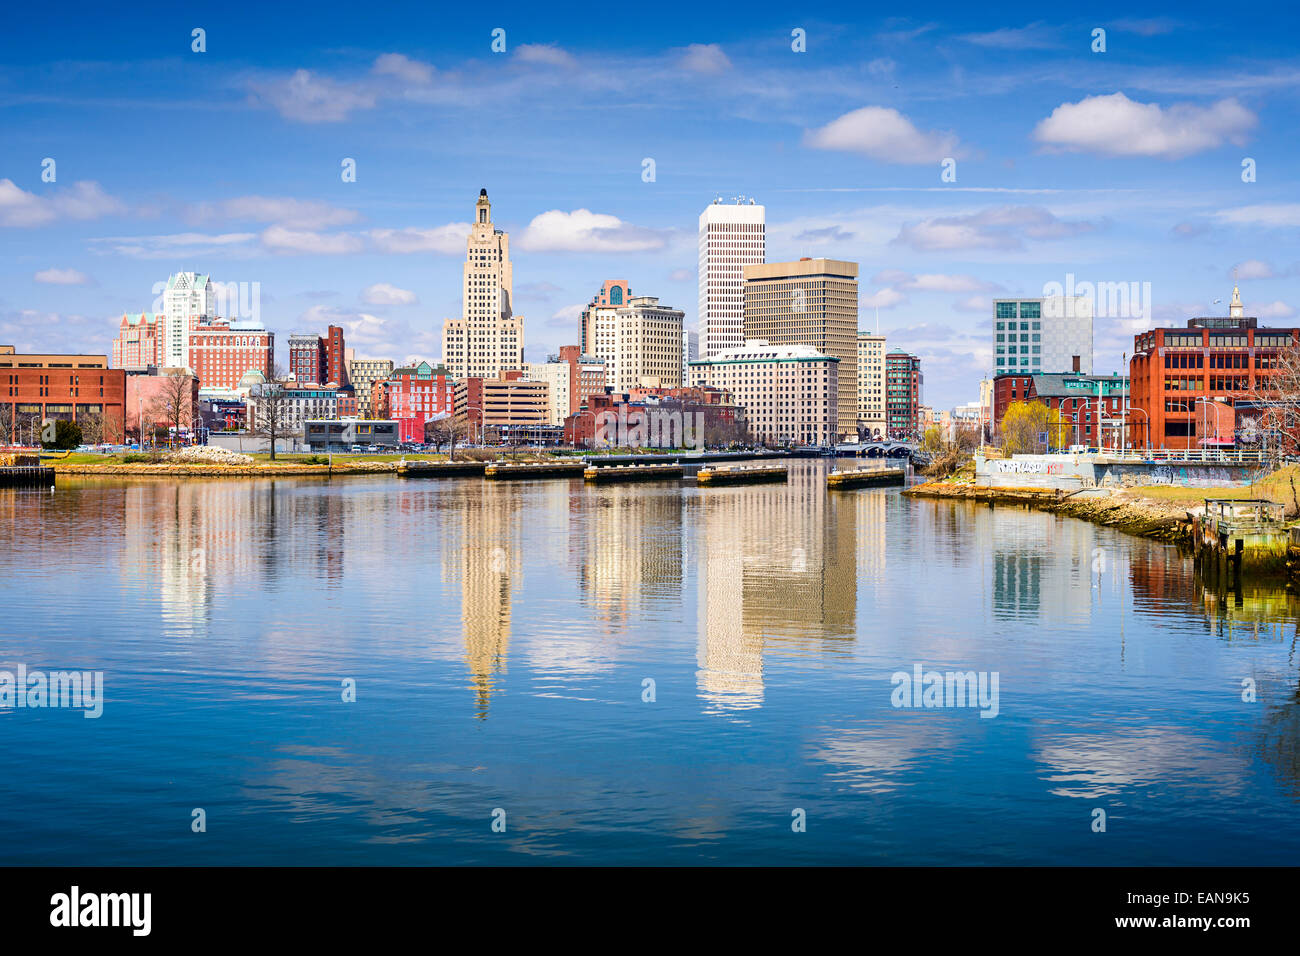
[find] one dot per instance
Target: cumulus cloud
(1252, 269)
(404, 68)
(1271, 310)
(1115, 125)
(567, 317)
(62, 277)
(382, 293)
(1000, 227)
(83, 200)
(445, 240)
(297, 241)
(585, 231)
(885, 298)
(308, 98)
(682, 275)
(545, 53)
(705, 58)
(884, 134)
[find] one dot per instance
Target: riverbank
(1126, 509)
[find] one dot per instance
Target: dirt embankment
(1123, 509)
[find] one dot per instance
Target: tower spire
(1235, 308)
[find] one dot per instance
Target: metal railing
(1200, 455)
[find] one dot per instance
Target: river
(548, 672)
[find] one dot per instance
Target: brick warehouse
(1190, 381)
(69, 387)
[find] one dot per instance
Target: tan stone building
(639, 340)
(789, 392)
(871, 385)
(488, 338)
(811, 302)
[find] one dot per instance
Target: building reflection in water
(482, 554)
(776, 570)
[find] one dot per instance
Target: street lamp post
(1134, 408)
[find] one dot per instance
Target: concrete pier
(500, 470)
(741, 474)
(869, 477)
(619, 473)
(441, 469)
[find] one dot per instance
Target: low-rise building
(503, 404)
(1093, 405)
(75, 388)
(342, 434)
(413, 396)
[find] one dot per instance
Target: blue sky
(1116, 166)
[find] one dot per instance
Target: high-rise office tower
(810, 302)
(187, 298)
(732, 236)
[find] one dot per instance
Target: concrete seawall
(1065, 472)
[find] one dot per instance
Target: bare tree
(173, 405)
(8, 424)
(271, 411)
(442, 431)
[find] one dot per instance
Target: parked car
(372, 448)
(356, 449)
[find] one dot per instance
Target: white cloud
(1272, 310)
(1262, 214)
(1036, 36)
(62, 277)
(382, 293)
(931, 282)
(446, 240)
(1000, 227)
(545, 53)
(313, 99)
(705, 58)
(567, 317)
(1253, 269)
(682, 275)
(1114, 125)
(83, 200)
(294, 213)
(177, 245)
(884, 134)
(885, 298)
(404, 68)
(280, 239)
(585, 231)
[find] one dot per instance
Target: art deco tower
(488, 338)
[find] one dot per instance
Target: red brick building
(412, 396)
(721, 415)
(77, 388)
(1190, 381)
(221, 352)
(318, 359)
(1093, 404)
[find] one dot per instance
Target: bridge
(880, 449)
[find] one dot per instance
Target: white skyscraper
(489, 337)
(732, 236)
(187, 298)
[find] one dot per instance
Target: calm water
(500, 634)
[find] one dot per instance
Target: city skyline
(1115, 166)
